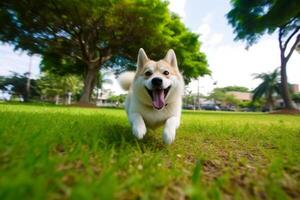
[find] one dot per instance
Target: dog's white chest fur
(153, 118)
(155, 95)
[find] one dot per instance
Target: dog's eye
(148, 73)
(166, 73)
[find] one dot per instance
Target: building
(242, 96)
(295, 88)
(103, 97)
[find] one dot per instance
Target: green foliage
(253, 105)
(51, 85)
(217, 94)
(15, 85)
(73, 34)
(296, 97)
(56, 152)
(252, 19)
(222, 95)
(269, 86)
(232, 89)
(118, 98)
(235, 89)
(194, 191)
(186, 45)
(56, 63)
(189, 99)
(231, 100)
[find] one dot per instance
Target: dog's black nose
(157, 82)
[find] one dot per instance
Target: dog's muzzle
(158, 95)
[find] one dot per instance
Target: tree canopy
(79, 36)
(222, 94)
(252, 19)
(233, 89)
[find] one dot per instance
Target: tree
(221, 95)
(231, 100)
(252, 19)
(118, 98)
(80, 36)
(54, 86)
(269, 86)
(217, 95)
(232, 89)
(235, 89)
(15, 85)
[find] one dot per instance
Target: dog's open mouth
(158, 97)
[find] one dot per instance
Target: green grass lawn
(74, 153)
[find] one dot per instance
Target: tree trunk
(284, 86)
(288, 104)
(270, 101)
(89, 83)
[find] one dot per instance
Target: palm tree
(269, 86)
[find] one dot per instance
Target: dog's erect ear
(171, 58)
(142, 59)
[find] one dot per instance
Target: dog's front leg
(138, 125)
(170, 129)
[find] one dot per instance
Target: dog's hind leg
(138, 125)
(170, 129)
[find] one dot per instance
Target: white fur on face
(166, 82)
(157, 72)
(157, 69)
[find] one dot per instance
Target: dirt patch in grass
(84, 105)
(235, 169)
(286, 112)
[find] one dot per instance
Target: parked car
(188, 107)
(227, 108)
(265, 109)
(247, 109)
(210, 107)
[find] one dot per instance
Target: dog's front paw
(170, 130)
(139, 131)
(169, 135)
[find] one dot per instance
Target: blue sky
(230, 63)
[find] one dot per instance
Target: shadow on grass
(120, 136)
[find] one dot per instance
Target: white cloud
(231, 64)
(178, 6)
(17, 61)
(207, 37)
(204, 31)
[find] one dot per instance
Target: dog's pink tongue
(158, 99)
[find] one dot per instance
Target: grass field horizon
(53, 152)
